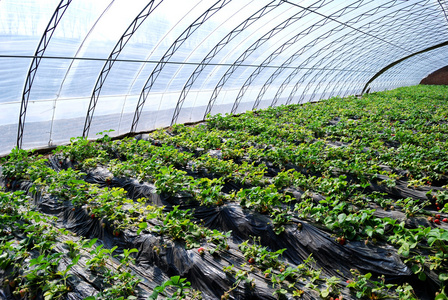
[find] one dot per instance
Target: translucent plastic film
(77, 67)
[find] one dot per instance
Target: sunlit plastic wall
(77, 67)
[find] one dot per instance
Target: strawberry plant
(15, 166)
(261, 255)
(261, 199)
(100, 256)
(364, 287)
(170, 180)
(208, 191)
(181, 289)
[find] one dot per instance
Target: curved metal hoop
(168, 54)
(288, 22)
(295, 72)
(44, 41)
(285, 46)
(222, 43)
(132, 28)
(351, 51)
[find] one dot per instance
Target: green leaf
(91, 243)
(415, 269)
(325, 293)
(443, 276)
(342, 217)
(175, 280)
(48, 295)
(143, 225)
(422, 276)
(441, 296)
(404, 250)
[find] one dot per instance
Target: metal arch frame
(113, 56)
(168, 54)
(444, 9)
(271, 57)
(297, 69)
(301, 66)
(71, 64)
(291, 20)
(395, 76)
(287, 63)
(409, 28)
(393, 72)
(44, 41)
(285, 46)
(347, 9)
(410, 64)
(216, 49)
(393, 81)
(378, 20)
(366, 58)
(357, 80)
(349, 57)
(383, 70)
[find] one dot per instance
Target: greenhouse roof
(78, 67)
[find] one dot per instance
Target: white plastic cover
(74, 67)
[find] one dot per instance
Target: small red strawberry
(438, 208)
(430, 219)
(437, 221)
(92, 216)
(23, 292)
(437, 216)
(341, 240)
(282, 270)
(251, 260)
(201, 250)
(445, 220)
(116, 233)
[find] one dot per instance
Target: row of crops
(341, 199)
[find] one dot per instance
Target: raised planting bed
(341, 199)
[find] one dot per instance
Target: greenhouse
(167, 149)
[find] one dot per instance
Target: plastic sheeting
(134, 67)
(205, 272)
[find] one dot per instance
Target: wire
(176, 63)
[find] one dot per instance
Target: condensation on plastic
(338, 47)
